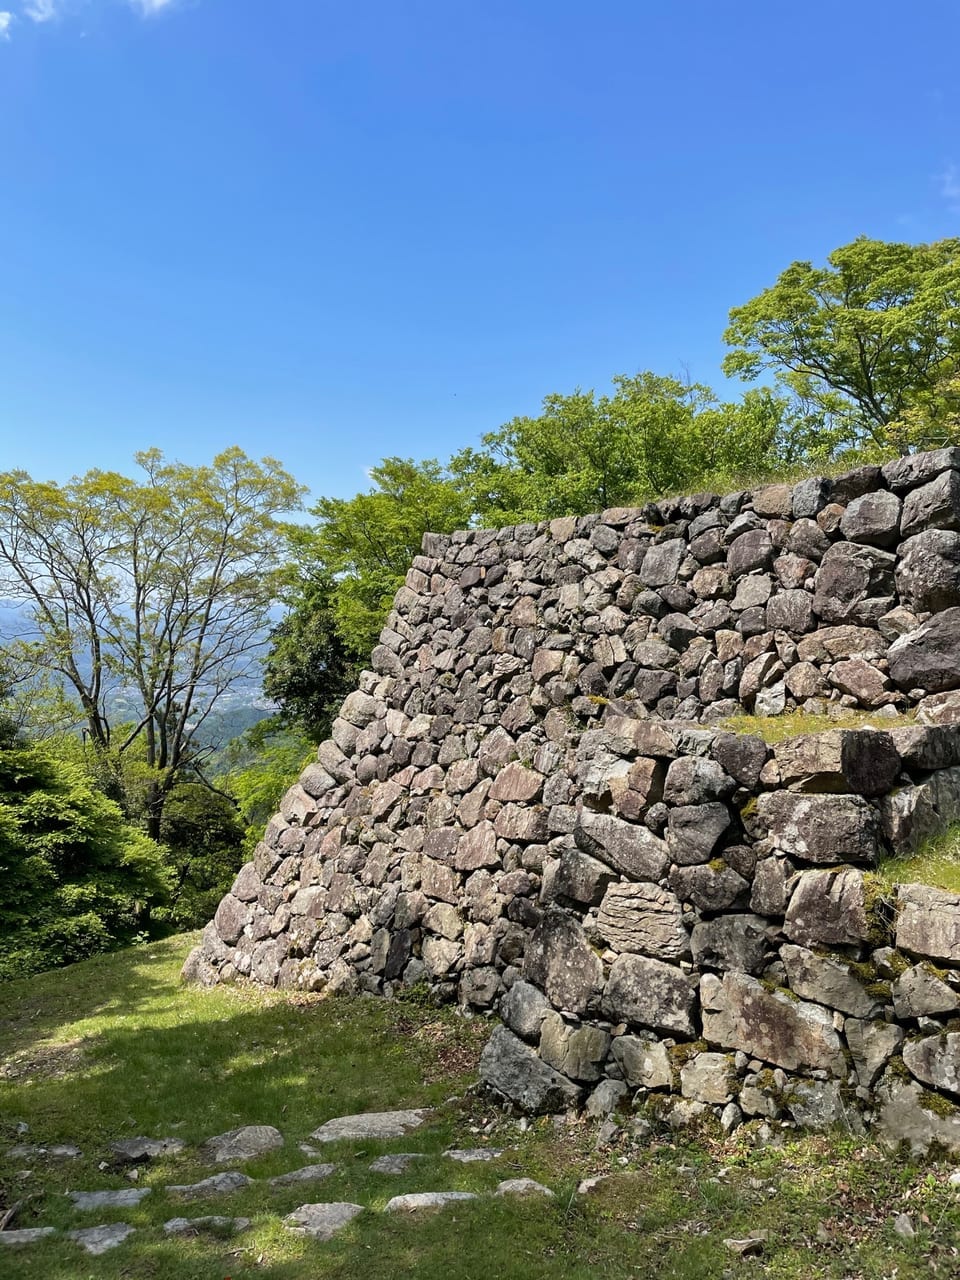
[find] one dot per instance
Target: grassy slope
(114, 1047)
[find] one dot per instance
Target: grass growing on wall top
(793, 724)
(936, 862)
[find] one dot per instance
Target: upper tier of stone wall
(530, 803)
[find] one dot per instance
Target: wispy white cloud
(149, 7)
(950, 186)
(6, 21)
(47, 10)
(42, 10)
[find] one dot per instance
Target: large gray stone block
(740, 1013)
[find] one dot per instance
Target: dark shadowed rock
(560, 961)
(854, 584)
(810, 496)
(581, 878)
(821, 828)
(742, 756)
(861, 761)
(928, 570)
(928, 658)
(693, 831)
(515, 1070)
(734, 942)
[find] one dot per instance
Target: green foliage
(936, 862)
(364, 545)
(75, 878)
(203, 835)
(654, 435)
(160, 586)
(263, 764)
(869, 337)
(309, 668)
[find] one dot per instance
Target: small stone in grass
(321, 1221)
(97, 1240)
(522, 1187)
(309, 1173)
(472, 1155)
(196, 1226)
(398, 1163)
(426, 1200)
(108, 1199)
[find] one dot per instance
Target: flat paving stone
(97, 1240)
(30, 1151)
(398, 1163)
(370, 1124)
(124, 1199)
(218, 1184)
(27, 1235)
(472, 1155)
(212, 1223)
(522, 1187)
(309, 1173)
(136, 1150)
(321, 1221)
(414, 1201)
(242, 1144)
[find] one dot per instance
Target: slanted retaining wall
(531, 804)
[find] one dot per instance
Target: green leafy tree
(365, 544)
(653, 435)
(309, 669)
(872, 334)
(160, 587)
(263, 764)
(75, 878)
(203, 836)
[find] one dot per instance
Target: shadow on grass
(34, 1009)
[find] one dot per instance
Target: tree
(364, 544)
(308, 669)
(159, 589)
(873, 332)
(75, 878)
(653, 435)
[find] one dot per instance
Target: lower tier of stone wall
(656, 911)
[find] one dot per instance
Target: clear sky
(330, 232)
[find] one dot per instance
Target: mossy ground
(115, 1047)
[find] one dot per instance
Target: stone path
(320, 1221)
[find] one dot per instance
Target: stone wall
(532, 805)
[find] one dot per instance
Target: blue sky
(330, 232)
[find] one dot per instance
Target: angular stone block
(740, 1013)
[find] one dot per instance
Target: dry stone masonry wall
(532, 805)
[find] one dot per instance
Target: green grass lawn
(115, 1047)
